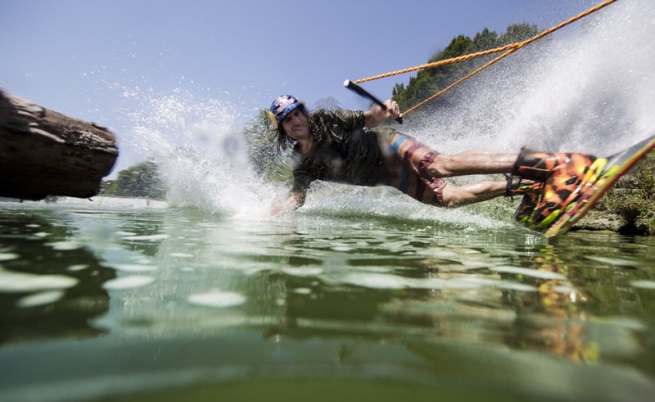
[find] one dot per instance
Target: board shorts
(407, 162)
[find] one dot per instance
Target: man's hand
(295, 201)
(376, 114)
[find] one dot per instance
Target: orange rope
(436, 63)
(411, 109)
(510, 48)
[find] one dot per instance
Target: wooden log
(45, 153)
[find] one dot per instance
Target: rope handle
(362, 92)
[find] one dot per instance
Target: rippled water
(146, 303)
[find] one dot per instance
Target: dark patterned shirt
(343, 151)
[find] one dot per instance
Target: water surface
(142, 303)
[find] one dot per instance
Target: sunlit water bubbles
(217, 299)
(199, 148)
(353, 203)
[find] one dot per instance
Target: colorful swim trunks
(407, 162)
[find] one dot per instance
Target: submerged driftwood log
(45, 153)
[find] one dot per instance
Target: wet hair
(281, 139)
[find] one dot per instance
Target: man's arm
(295, 201)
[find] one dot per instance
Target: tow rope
(508, 49)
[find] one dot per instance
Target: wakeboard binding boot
(563, 181)
(530, 190)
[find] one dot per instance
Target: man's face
(296, 125)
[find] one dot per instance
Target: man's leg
(430, 166)
(409, 170)
(454, 196)
(417, 170)
(472, 162)
(428, 163)
(528, 164)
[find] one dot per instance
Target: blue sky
(72, 55)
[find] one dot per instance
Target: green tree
(633, 198)
(262, 152)
(141, 180)
(430, 81)
(518, 33)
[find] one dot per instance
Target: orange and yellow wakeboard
(591, 185)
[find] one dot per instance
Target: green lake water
(121, 303)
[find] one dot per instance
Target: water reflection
(339, 293)
(555, 319)
(380, 284)
(70, 295)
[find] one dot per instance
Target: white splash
(589, 87)
(201, 153)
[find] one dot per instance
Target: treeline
(430, 81)
(141, 181)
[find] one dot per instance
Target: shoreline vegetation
(629, 206)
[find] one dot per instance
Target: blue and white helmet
(282, 106)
